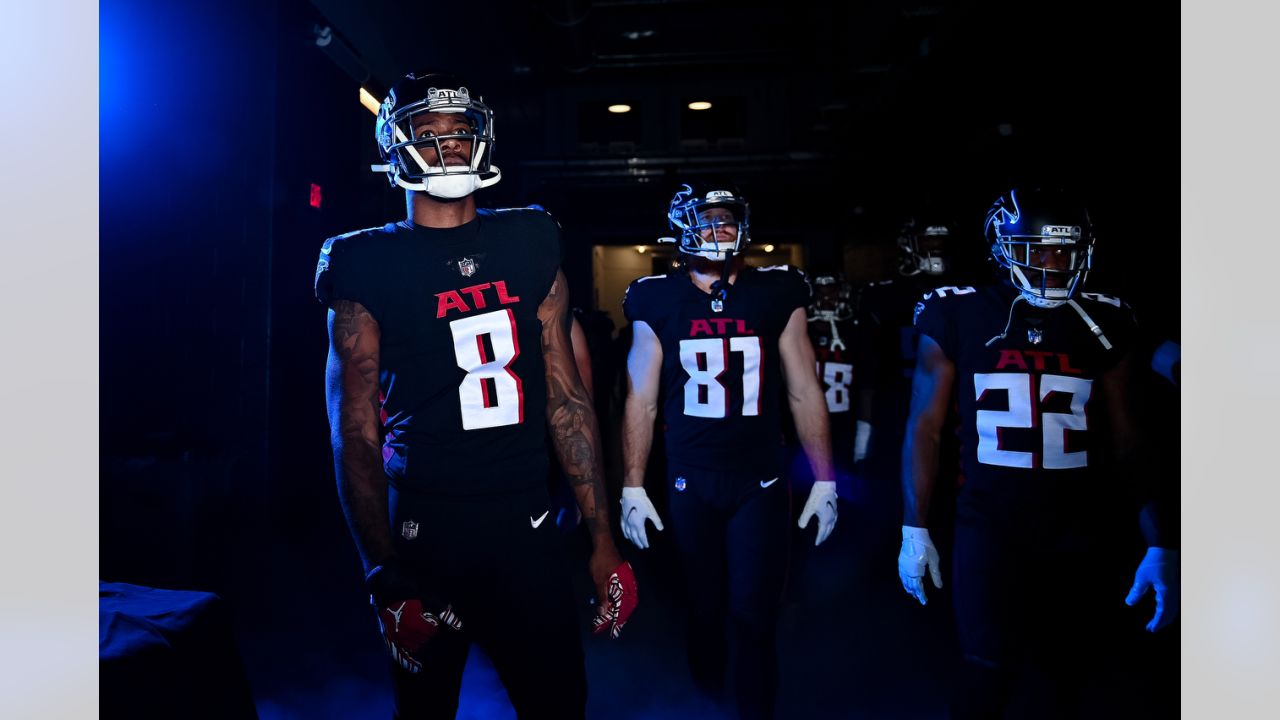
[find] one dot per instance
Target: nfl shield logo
(467, 266)
(1035, 336)
(409, 529)
(680, 484)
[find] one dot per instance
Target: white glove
(636, 508)
(1159, 570)
(821, 502)
(918, 553)
(861, 438)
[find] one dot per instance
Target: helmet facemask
(412, 154)
(923, 251)
(1046, 284)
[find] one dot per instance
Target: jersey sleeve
(640, 303)
(551, 245)
(933, 318)
(341, 274)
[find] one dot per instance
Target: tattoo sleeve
(352, 394)
(570, 415)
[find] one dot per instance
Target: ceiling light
(620, 108)
(700, 105)
(370, 102)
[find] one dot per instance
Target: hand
(406, 628)
(636, 509)
(918, 553)
(861, 439)
(1159, 570)
(821, 502)
(618, 598)
(405, 622)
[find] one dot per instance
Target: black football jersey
(721, 371)
(888, 354)
(1032, 419)
(835, 343)
(462, 375)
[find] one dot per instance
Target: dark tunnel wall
(186, 237)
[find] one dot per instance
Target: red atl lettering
(723, 326)
(1038, 356)
(477, 294)
(1038, 360)
(449, 300)
(1011, 358)
(452, 299)
(503, 297)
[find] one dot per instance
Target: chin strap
(1009, 322)
(1093, 326)
(720, 287)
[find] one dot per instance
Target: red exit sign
(315, 195)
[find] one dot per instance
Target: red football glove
(406, 626)
(623, 597)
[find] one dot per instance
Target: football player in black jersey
(835, 340)
(713, 342)
(449, 361)
(887, 355)
(1040, 372)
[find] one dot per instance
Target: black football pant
(732, 531)
(1034, 618)
(498, 561)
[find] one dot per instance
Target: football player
(887, 354)
(1040, 371)
(835, 340)
(713, 343)
(449, 360)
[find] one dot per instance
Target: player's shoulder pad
(644, 295)
(1106, 306)
(787, 273)
(940, 297)
(354, 237)
(1105, 299)
(947, 291)
(656, 282)
(522, 213)
(781, 268)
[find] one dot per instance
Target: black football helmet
(923, 247)
(1045, 239)
(712, 220)
(413, 161)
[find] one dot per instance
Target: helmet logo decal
(1071, 231)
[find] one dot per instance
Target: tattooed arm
(351, 390)
(574, 429)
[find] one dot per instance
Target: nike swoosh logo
(765, 484)
(536, 523)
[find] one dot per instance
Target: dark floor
(852, 644)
